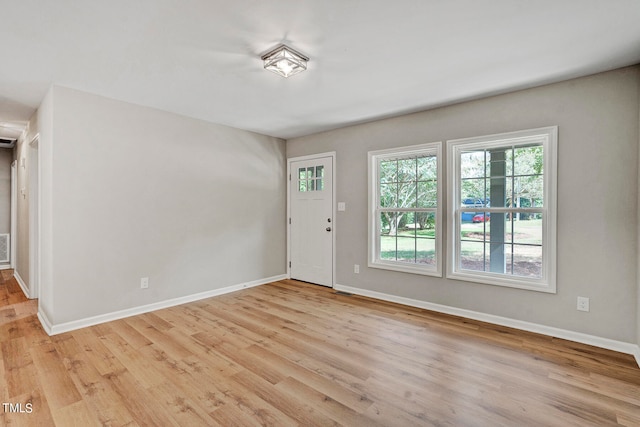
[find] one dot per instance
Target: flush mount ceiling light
(285, 61)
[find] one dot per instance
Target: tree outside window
(503, 222)
(405, 209)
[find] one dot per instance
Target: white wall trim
(23, 285)
(53, 329)
(14, 212)
(33, 180)
(547, 137)
(374, 208)
(609, 344)
(45, 322)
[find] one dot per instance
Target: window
(404, 217)
(311, 179)
(502, 210)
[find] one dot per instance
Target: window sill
(500, 280)
(405, 268)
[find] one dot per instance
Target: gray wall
(6, 157)
(597, 210)
(130, 191)
(22, 156)
(22, 226)
(45, 148)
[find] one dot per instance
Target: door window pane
(311, 178)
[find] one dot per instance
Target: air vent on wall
(4, 248)
(7, 142)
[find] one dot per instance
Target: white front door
(311, 221)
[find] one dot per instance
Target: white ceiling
(369, 58)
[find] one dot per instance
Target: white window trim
(373, 221)
(548, 136)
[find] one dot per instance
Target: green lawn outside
(521, 259)
(409, 248)
(419, 246)
(526, 231)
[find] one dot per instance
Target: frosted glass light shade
(285, 61)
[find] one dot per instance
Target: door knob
(328, 228)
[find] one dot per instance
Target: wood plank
(135, 362)
(182, 409)
(293, 407)
(291, 353)
(191, 380)
(96, 351)
(135, 398)
(157, 336)
(357, 401)
(98, 397)
(54, 378)
(77, 414)
(20, 373)
(125, 331)
(40, 414)
(333, 409)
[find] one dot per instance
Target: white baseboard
(23, 285)
(53, 329)
(620, 346)
(5, 267)
(45, 322)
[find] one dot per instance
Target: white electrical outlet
(144, 283)
(583, 304)
(356, 268)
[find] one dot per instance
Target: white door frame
(334, 225)
(14, 212)
(34, 216)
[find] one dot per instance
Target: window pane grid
(406, 207)
(498, 210)
(507, 182)
(407, 182)
(413, 237)
(311, 179)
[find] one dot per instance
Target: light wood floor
(291, 353)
